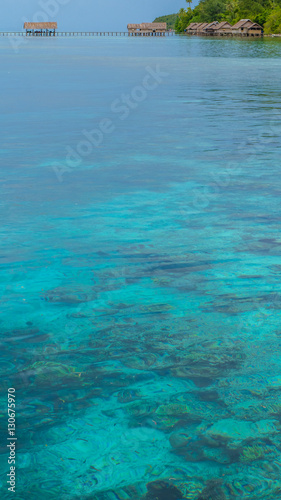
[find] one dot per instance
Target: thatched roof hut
(147, 28)
(192, 27)
(246, 27)
(154, 26)
(195, 28)
(210, 27)
(201, 27)
(40, 26)
(223, 28)
(198, 25)
(243, 23)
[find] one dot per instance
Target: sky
(85, 15)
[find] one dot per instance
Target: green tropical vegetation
(267, 13)
(170, 20)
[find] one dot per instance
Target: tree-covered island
(267, 13)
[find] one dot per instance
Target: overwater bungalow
(196, 28)
(40, 29)
(246, 27)
(200, 28)
(147, 29)
(209, 29)
(223, 28)
(191, 29)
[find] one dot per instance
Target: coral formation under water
(159, 490)
(212, 491)
(251, 453)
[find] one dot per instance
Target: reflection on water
(140, 296)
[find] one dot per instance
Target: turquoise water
(140, 272)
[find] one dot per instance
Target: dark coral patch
(159, 490)
(212, 491)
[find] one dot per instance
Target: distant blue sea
(140, 268)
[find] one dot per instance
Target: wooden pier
(83, 33)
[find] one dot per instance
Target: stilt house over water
(147, 29)
(191, 28)
(245, 27)
(209, 29)
(40, 29)
(223, 28)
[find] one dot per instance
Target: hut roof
(40, 26)
(192, 25)
(211, 25)
(256, 25)
(201, 26)
(244, 22)
(223, 24)
(157, 26)
(241, 23)
(160, 26)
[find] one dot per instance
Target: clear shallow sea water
(140, 283)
